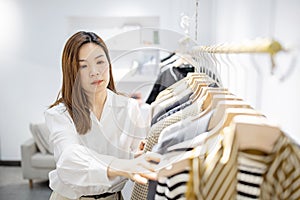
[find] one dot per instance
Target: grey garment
(151, 189)
(176, 106)
(174, 110)
(184, 132)
(140, 191)
(214, 85)
(170, 107)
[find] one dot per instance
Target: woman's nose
(94, 72)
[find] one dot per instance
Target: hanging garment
(170, 107)
(182, 131)
(172, 187)
(250, 174)
(162, 109)
(217, 179)
(174, 134)
(181, 91)
(168, 57)
(210, 73)
(140, 191)
(174, 110)
(167, 78)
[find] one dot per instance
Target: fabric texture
(282, 180)
(174, 110)
(170, 107)
(40, 134)
(174, 134)
(173, 187)
(214, 179)
(217, 174)
(250, 176)
(179, 92)
(184, 131)
(140, 191)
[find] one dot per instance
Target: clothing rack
(194, 118)
(193, 136)
(267, 46)
(262, 45)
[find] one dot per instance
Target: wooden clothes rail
(269, 46)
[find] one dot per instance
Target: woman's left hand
(139, 169)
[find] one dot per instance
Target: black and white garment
(167, 78)
(173, 187)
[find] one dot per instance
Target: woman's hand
(139, 169)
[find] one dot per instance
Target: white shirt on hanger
(82, 160)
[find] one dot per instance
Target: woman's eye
(100, 62)
(83, 66)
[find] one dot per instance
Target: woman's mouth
(98, 82)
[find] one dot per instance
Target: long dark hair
(72, 94)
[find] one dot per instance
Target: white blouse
(82, 160)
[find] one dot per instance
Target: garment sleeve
(155, 90)
(77, 166)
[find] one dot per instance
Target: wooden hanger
(175, 97)
(200, 82)
(216, 117)
(201, 91)
(181, 161)
(179, 90)
(197, 89)
(220, 110)
(176, 84)
(207, 95)
(168, 92)
(227, 118)
(186, 81)
(211, 100)
(255, 132)
(221, 95)
(195, 76)
(214, 120)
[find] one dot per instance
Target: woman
(94, 130)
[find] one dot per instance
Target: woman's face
(94, 68)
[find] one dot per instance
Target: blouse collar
(115, 100)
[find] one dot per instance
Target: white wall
(33, 34)
(32, 37)
(238, 20)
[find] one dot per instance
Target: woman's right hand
(139, 169)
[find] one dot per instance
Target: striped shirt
(173, 187)
(228, 176)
